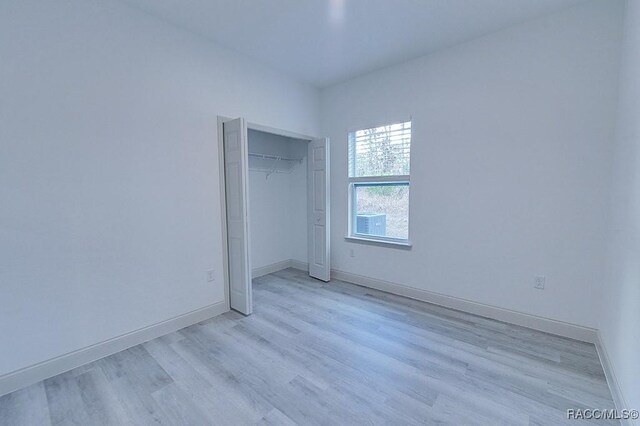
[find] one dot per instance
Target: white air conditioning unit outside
(371, 224)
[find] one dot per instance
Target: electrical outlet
(211, 276)
(539, 281)
(352, 253)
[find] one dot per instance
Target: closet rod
(273, 157)
(269, 171)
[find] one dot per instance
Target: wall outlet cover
(211, 276)
(539, 282)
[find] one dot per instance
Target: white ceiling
(327, 41)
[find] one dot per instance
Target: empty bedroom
(319, 212)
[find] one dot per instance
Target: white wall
(510, 157)
(109, 192)
(619, 303)
(278, 204)
(298, 227)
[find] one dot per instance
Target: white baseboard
(302, 266)
(270, 269)
(616, 392)
(29, 375)
(547, 325)
(279, 266)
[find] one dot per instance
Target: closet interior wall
(277, 199)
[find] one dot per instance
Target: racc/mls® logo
(606, 414)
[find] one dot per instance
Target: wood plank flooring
(326, 354)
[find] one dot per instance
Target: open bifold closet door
(291, 206)
(318, 209)
(237, 205)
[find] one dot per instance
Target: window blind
(380, 151)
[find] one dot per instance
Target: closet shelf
(278, 164)
(274, 157)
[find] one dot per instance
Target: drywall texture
(619, 303)
(110, 202)
(277, 201)
(510, 163)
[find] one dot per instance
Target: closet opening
(275, 205)
(278, 202)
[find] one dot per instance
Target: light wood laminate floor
(332, 354)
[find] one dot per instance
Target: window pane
(382, 210)
(380, 151)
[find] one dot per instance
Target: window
(379, 160)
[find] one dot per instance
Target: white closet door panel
(318, 209)
(237, 200)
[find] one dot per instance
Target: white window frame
(354, 183)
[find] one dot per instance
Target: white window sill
(378, 241)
